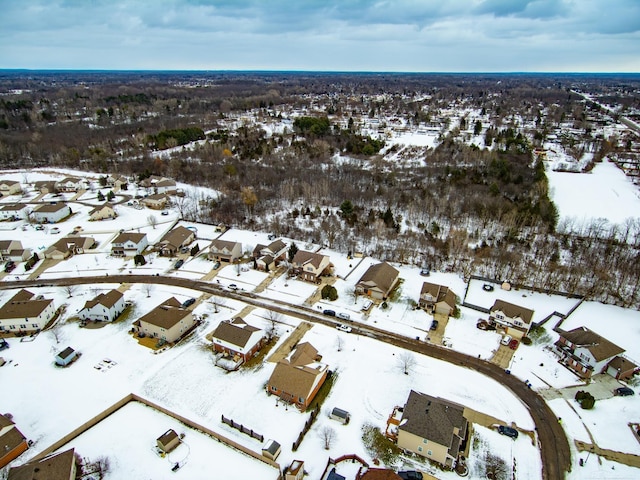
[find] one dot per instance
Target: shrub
(526, 341)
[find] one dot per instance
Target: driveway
(601, 387)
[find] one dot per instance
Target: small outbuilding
(271, 450)
(168, 441)
(295, 471)
(340, 415)
(66, 356)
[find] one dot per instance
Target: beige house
(309, 266)
(174, 240)
(13, 250)
(57, 466)
(431, 427)
(24, 313)
(129, 244)
(436, 298)
(70, 184)
(45, 186)
(378, 281)
(514, 319)
(156, 201)
(102, 212)
(224, 251)
(68, 246)
(9, 187)
(166, 322)
(268, 257)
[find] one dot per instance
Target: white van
(367, 305)
(344, 316)
(506, 340)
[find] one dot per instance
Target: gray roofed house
(271, 449)
(66, 356)
(57, 466)
(432, 427)
(378, 281)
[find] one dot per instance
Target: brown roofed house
(129, 244)
(102, 212)
(436, 298)
(309, 266)
(67, 246)
(106, 307)
(515, 319)
(57, 466)
(224, 251)
(173, 240)
(24, 313)
(268, 257)
(298, 378)
(378, 281)
(238, 340)
(166, 322)
(9, 187)
(12, 440)
(156, 201)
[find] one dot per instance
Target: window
(273, 389)
(499, 316)
(419, 449)
(300, 400)
(23, 326)
(34, 325)
(12, 327)
(424, 440)
(429, 452)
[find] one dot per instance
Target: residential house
(45, 186)
(12, 440)
(129, 244)
(224, 251)
(24, 313)
(117, 182)
(585, 352)
(238, 340)
(436, 298)
(51, 212)
(106, 307)
(68, 246)
(156, 201)
(102, 212)
(431, 427)
(297, 378)
(12, 250)
(378, 281)
(16, 211)
(378, 474)
(168, 441)
(268, 257)
(57, 466)
(9, 187)
(66, 356)
(174, 240)
(166, 322)
(70, 184)
(166, 186)
(514, 319)
(309, 266)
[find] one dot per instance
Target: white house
(585, 352)
(516, 320)
(51, 212)
(70, 184)
(13, 250)
(16, 211)
(23, 313)
(106, 307)
(129, 244)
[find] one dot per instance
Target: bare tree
(496, 467)
(216, 302)
(328, 435)
(56, 332)
(274, 319)
(339, 343)
(406, 362)
(153, 221)
(148, 289)
(70, 290)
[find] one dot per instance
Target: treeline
(175, 137)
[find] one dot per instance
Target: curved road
(554, 446)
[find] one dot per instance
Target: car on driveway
(216, 265)
(178, 264)
(188, 302)
(343, 328)
(410, 475)
(9, 266)
(623, 392)
(434, 325)
(513, 344)
(508, 431)
(506, 340)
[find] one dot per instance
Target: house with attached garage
(156, 201)
(106, 307)
(514, 319)
(45, 186)
(102, 212)
(431, 427)
(268, 257)
(13, 250)
(71, 184)
(586, 353)
(68, 246)
(9, 187)
(168, 321)
(436, 298)
(174, 240)
(12, 440)
(237, 341)
(50, 212)
(129, 244)
(15, 211)
(25, 312)
(378, 281)
(309, 266)
(297, 378)
(224, 251)
(57, 466)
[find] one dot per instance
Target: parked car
(425, 272)
(508, 431)
(623, 391)
(367, 305)
(487, 287)
(344, 316)
(233, 287)
(188, 302)
(178, 264)
(434, 325)
(513, 344)
(410, 475)
(506, 340)
(54, 230)
(165, 212)
(216, 265)
(331, 313)
(39, 227)
(9, 266)
(343, 328)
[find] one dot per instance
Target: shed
(271, 450)
(66, 356)
(168, 441)
(295, 471)
(340, 415)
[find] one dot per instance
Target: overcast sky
(336, 35)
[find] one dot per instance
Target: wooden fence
(242, 428)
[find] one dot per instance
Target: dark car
(188, 302)
(508, 431)
(623, 391)
(9, 266)
(178, 264)
(434, 325)
(410, 475)
(513, 344)
(3, 344)
(331, 313)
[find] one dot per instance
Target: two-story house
(106, 307)
(224, 251)
(51, 212)
(174, 240)
(378, 281)
(168, 321)
(25, 313)
(237, 341)
(16, 211)
(514, 319)
(9, 187)
(268, 257)
(436, 298)
(102, 212)
(309, 266)
(129, 244)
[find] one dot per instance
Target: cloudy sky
(336, 35)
